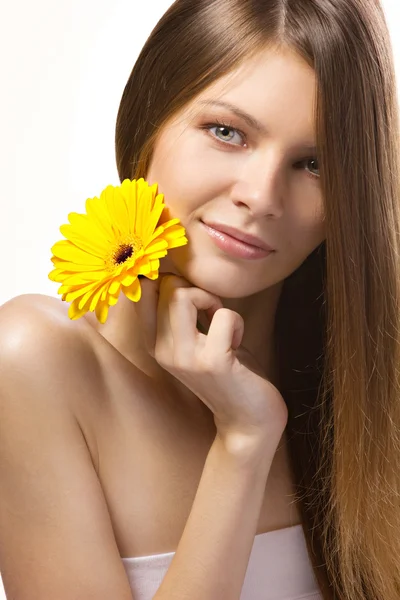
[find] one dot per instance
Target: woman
(148, 440)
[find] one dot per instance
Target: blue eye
(223, 132)
(223, 136)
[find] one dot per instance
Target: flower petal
(153, 275)
(97, 212)
(159, 254)
(134, 291)
(117, 210)
(129, 192)
(121, 215)
(156, 245)
(115, 287)
(144, 202)
(54, 275)
(154, 217)
(102, 312)
(84, 278)
(83, 262)
(143, 266)
(157, 233)
(112, 300)
(73, 294)
(82, 301)
(177, 242)
(71, 267)
(128, 279)
(94, 244)
(103, 296)
(95, 299)
(68, 251)
(172, 225)
(175, 236)
(74, 312)
(85, 226)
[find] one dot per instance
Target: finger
(146, 311)
(171, 289)
(178, 312)
(225, 333)
(184, 308)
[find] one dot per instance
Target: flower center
(124, 252)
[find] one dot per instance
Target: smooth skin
(102, 448)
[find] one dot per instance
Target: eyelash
(218, 123)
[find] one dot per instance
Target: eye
(307, 162)
(223, 135)
(224, 132)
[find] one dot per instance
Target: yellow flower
(123, 235)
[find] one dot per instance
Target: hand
(244, 403)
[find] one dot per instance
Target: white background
(63, 68)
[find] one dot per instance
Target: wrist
(248, 449)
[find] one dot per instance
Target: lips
(239, 235)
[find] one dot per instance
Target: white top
(279, 569)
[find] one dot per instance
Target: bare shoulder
(42, 350)
(37, 337)
(52, 508)
(37, 318)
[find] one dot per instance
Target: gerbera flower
(123, 235)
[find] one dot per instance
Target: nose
(258, 187)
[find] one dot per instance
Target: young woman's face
(214, 165)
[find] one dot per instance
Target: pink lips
(240, 235)
(235, 246)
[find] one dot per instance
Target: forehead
(270, 74)
(275, 86)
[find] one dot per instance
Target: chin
(214, 277)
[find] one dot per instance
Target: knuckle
(226, 313)
(178, 294)
(161, 355)
(221, 314)
(229, 317)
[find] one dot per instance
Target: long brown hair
(337, 327)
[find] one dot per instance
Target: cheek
(195, 167)
(187, 175)
(319, 225)
(305, 231)
(315, 237)
(307, 215)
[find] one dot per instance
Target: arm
(212, 557)
(56, 537)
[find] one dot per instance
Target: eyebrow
(249, 119)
